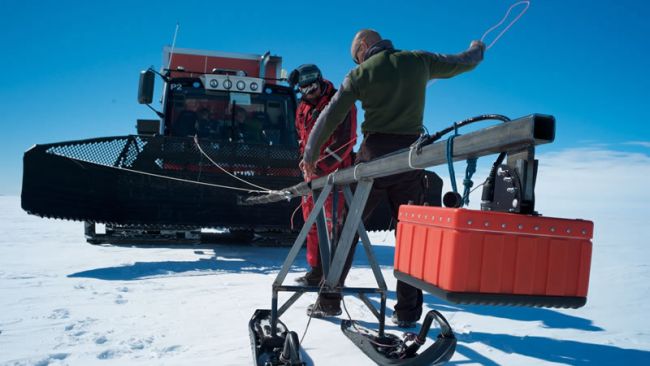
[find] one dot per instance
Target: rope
(173, 178)
(198, 145)
(413, 147)
(469, 171)
(354, 172)
(450, 162)
(503, 20)
(497, 26)
(353, 140)
(467, 182)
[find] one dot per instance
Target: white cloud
(610, 188)
(639, 143)
(596, 176)
(581, 182)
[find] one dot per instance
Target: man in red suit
(335, 154)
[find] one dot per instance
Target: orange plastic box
(482, 257)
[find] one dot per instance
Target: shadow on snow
(226, 259)
(553, 350)
(261, 260)
(549, 318)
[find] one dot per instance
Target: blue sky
(71, 68)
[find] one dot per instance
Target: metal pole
(527, 131)
(274, 311)
(367, 246)
(349, 229)
(323, 237)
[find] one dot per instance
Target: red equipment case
(483, 257)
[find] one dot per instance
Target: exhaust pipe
(264, 61)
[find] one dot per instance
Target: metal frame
(517, 137)
(333, 265)
(524, 163)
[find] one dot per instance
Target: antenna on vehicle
(264, 59)
(171, 53)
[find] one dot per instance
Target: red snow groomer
(225, 128)
(504, 254)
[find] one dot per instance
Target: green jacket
(391, 86)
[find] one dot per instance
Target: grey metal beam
(324, 242)
(517, 134)
(289, 302)
(370, 305)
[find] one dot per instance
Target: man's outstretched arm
(443, 66)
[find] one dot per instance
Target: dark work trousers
(398, 189)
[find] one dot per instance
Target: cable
(294, 214)
(427, 140)
(198, 145)
(466, 196)
(366, 331)
(315, 306)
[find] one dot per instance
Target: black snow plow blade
(391, 350)
(157, 180)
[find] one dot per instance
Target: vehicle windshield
(235, 117)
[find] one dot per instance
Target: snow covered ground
(63, 301)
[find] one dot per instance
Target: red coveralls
(336, 153)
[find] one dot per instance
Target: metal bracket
(523, 162)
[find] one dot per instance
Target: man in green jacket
(391, 86)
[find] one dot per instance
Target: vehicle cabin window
(267, 119)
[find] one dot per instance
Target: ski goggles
(307, 78)
(308, 89)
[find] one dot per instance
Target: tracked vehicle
(226, 129)
(224, 116)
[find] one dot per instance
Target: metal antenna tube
(515, 135)
(171, 53)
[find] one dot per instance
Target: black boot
(323, 310)
(403, 323)
(311, 278)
